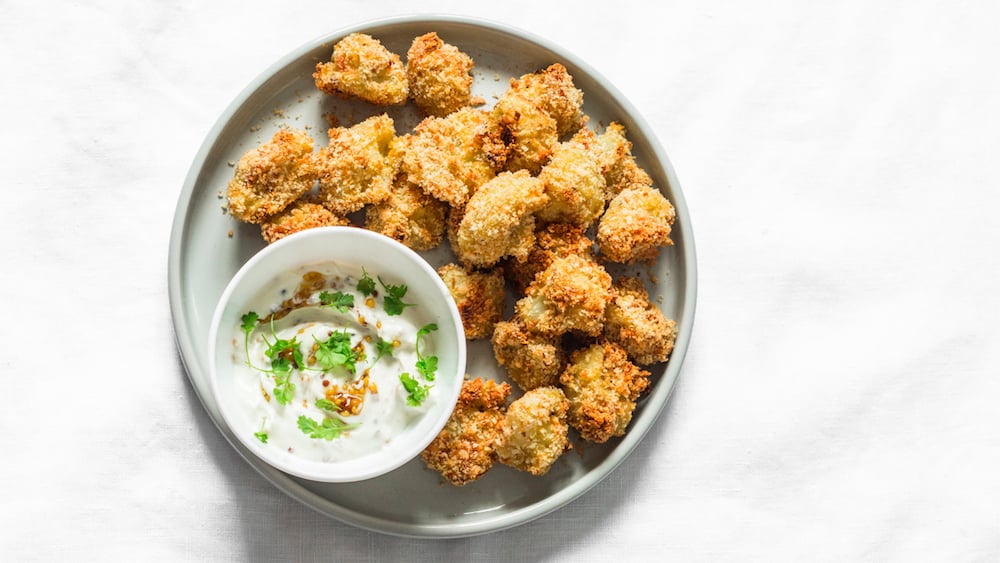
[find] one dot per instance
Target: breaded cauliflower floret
(479, 297)
(551, 242)
(602, 387)
(617, 163)
(361, 67)
(465, 448)
(534, 431)
(637, 325)
(451, 157)
(300, 216)
(532, 360)
(571, 294)
(358, 166)
(637, 223)
(439, 76)
(536, 110)
(499, 219)
(574, 182)
(408, 215)
(269, 178)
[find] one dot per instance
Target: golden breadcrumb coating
(551, 241)
(637, 223)
(574, 182)
(358, 166)
(269, 178)
(499, 219)
(535, 430)
(532, 360)
(302, 215)
(617, 163)
(602, 387)
(439, 76)
(362, 67)
(531, 133)
(571, 294)
(465, 448)
(636, 325)
(451, 157)
(479, 297)
(408, 215)
(553, 90)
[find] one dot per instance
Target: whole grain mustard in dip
(335, 363)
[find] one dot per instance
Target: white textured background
(840, 398)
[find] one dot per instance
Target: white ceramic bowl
(352, 248)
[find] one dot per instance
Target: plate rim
(658, 398)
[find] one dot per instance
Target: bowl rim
(316, 470)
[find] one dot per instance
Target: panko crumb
(465, 449)
(499, 219)
(574, 182)
(532, 360)
(451, 157)
(439, 76)
(302, 215)
(570, 295)
(362, 67)
(358, 166)
(618, 166)
(535, 431)
(479, 297)
(551, 241)
(636, 224)
(636, 325)
(602, 387)
(269, 178)
(408, 215)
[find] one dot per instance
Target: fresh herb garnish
(393, 299)
(337, 300)
(262, 436)
(336, 351)
(426, 365)
(249, 322)
(416, 392)
(383, 347)
(329, 429)
(327, 405)
(366, 285)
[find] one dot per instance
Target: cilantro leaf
(427, 367)
(366, 285)
(337, 300)
(336, 351)
(384, 348)
(262, 436)
(416, 392)
(393, 299)
(284, 389)
(329, 429)
(327, 405)
(249, 322)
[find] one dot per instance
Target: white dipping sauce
(383, 414)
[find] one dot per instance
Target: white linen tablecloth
(839, 399)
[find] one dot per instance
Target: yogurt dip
(333, 362)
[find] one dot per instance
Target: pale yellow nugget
(269, 178)
(602, 387)
(362, 67)
(439, 76)
(535, 431)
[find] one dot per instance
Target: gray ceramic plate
(411, 501)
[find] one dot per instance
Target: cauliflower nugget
(636, 325)
(465, 449)
(451, 157)
(534, 431)
(408, 215)
(302, 215)
(551, 241)
(358, 165)
(535, 111)
(532, 360)
(617, 163)
(361, 67)
(499, 219)
(269, 178)
(439, 76)
(602, 387)
(571, 294)
(574, 182)
(637, 223)
(479, 297)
